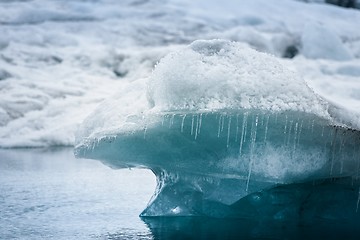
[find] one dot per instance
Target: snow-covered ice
(215, 116)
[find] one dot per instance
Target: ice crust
(220, 122)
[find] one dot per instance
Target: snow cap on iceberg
(219, 74)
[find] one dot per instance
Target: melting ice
(230, 132)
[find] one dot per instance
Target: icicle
(289, 133)
(171, 122)
(197, 126)
(253, 139)
(96, 143)
(182, 123)
(219, 127)
(192, 125)
(237, 128)
(300, 129)
(295, 135)
(245, 133)
(228, 132)
(200, 122)
(322, 131)
(222, 123)
(266, 126)
(256, 123)
(243, 130)
(92, 146)
(285, 129)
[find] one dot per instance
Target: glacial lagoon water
(49, 194)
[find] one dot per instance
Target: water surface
(50, 194)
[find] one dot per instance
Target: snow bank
(265, 23)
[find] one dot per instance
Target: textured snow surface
(218, 74)
(60, 59)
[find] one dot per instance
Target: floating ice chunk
(221, 122)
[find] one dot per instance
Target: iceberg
(229, 132)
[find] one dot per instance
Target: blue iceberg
(230, 133)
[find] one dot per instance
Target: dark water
(48, 194)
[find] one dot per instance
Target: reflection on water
(212, 228)
(50, 194)
(312, 210)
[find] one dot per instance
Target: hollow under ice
(230, 132)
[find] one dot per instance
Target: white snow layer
(218, 74)
(60, 59)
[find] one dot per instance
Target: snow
(218, 74)
(59, 60)
(336, 82)
(216, 122)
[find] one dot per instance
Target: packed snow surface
(60, 59)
